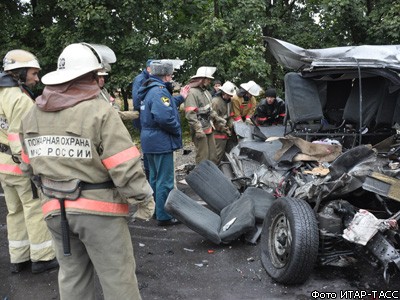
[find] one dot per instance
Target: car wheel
(289, 241)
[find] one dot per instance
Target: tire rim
(280, 242)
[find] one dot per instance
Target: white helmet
(252, 88)
(16, 59)
(75, 61)
(228, 88)
(205, 72)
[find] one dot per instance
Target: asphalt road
(177, 263)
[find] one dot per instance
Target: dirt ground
(177, 263)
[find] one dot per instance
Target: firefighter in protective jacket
(201, 117)
(221, 103)
(72, 135)
(244, 102)
(28, 237)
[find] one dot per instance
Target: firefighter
(76, 146)
(101, 81)
(244, 102)
(221, 103)
(201, 117)
(271, 110)
(28, 237)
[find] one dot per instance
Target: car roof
(366, 56)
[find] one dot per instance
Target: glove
(145, 209)
(220, 125)
(220, 121)
(248, 121)
(200, 135)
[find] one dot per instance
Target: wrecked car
(322, 188)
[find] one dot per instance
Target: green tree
(222, 33)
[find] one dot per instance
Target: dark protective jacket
(137, 83)
(269, 114)
(159, 117)
(6, 80)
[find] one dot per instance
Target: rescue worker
(201, 117)
(244, 102)
(216, 87)
(103, 91)
(28, 237)
(221, 103)
(76, 146)
(271, 110)
(161, 133)
(136, 84)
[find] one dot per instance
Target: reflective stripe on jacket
(85, 205)
(243, 109)
(89, 142)
(197, 102)
(14, 105)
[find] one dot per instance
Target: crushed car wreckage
(325, 185)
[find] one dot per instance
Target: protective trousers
(220, 145)
(223, 146)
(205, 148)
(98, 243)
(28, 236)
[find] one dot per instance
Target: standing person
(28, 237)
(216, 87)
(271, 110)
(244, 102)
(103, 91)
(221, 103)
(161, 133)
(137, 83)
(200, 115)
(75, 141)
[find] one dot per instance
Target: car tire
(289, 241)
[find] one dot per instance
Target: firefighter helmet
(252, 88)
(228, 88)
(16, 59)
(205, 72)
(74, 61)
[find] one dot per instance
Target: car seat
(373, 92)
(218, 191)
(303, 104)
(234, 219)
(377, 110)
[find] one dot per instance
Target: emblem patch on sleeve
(165, 100)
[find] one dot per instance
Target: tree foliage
(222, 33)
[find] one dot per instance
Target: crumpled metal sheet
(296, 58)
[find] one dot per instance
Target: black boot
(18, 267)
(41, 266)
